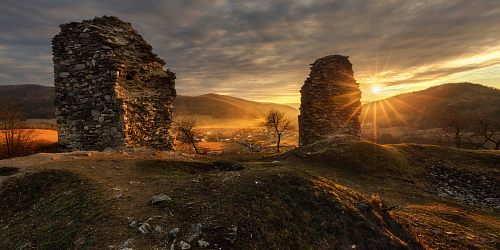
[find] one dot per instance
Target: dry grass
(42, 134)
(380, 171)
(47, 135)
(447, 227)
(219, 146)
(42, 122)
(44, 141)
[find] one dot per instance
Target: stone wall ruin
(330, 101)
(111, 89)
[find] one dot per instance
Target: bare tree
(15, 135)
(454, 127)
(185, 129)
(487, 130)
(278, 121)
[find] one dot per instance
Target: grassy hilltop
(337, 194)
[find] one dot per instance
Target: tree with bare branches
(16, 138)
(185, 130)
(278, 121)
(487, 130)
(454, 127)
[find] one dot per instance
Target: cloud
(262, 49)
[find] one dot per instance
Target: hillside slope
(256, 208)
(261, 107)
(37, 100)
(427, 108)
(224, 107)
(217, 109)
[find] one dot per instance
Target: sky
(261, 50)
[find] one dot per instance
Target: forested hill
(222, 106)
(204, 105)
(428, 108)
(37, 101)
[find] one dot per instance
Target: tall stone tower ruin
(330, 101)
(111, 89)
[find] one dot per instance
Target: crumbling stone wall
(330, 101)
(111, 89)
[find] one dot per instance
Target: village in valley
(244, 140)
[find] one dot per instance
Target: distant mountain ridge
(421, 109)
(38, 103)
(425, 109)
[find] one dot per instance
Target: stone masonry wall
(111, 89)
(330, 101)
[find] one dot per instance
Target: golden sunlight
(376, 89)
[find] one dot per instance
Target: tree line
(472, 131)
(17, 138)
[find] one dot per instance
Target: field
(48, 135)
(401, 132)
(43, 122)
(42, 134)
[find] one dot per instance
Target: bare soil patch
(6, 171)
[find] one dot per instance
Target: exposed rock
(203, 243)
(361, 206)
(195, 231)
(330, 101)
(111, 89)
(24, 246)
(156, 200)
(467, 187)
(174, 232)
(158, 229)
(408, 180)
(144, 229)
(184, 245)
(126, 244)
(237, 167)
(133, 224)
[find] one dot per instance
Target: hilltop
(224, 107)
(341, 193)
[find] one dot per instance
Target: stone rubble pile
(469, 188)
(330, 101)
(111, 89)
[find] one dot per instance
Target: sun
(376, 89)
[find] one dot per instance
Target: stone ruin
(111, 89)
(330, 101)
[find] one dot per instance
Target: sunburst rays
(398, 114)
(350, 117)
(391, 110)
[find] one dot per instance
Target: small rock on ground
(159, 199)
(203, 243)
(184, 245)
